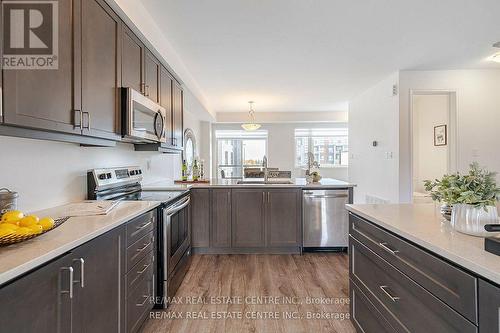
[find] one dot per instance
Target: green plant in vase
(446, 191)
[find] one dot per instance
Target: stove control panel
(100, 179)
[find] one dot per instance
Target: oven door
(144, 120)
(176, 235)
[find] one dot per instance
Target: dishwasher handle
(321, 196)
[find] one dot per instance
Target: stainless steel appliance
(143, 119)
(173, 228)
(325, 219)
(175, 240)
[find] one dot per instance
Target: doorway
(433, 138)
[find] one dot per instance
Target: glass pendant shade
(252, 125)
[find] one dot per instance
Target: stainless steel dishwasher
(325, 219)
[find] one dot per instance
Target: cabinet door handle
(263, 197)
(79, 125)
(143, 88)
(387, 248)
(386, 291)
(144, 269)
(268, 197)
(85, 113)
(70, 291)
(82, 272)
(146, 90)
(144, 247)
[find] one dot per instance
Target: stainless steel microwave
(143, 120)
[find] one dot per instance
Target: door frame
(452, 158)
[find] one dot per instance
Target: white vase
(471, 220)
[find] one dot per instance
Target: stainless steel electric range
(174, 222)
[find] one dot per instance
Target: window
(329, 146)
(237, 150)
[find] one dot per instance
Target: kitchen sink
(262, 182)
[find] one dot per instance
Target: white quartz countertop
(423, 225)
(17, 259)
(167, 185)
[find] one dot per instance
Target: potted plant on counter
(445, 191)
(476, 205)
(470, 199)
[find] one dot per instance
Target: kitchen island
(232, 216)
(407, 263)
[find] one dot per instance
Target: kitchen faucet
(264, 164)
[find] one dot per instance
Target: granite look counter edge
(18, 259)
(422, 225)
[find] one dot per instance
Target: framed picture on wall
(440, 135)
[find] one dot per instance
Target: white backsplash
(48, 174)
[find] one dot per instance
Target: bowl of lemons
(16, 227)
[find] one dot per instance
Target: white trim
(452, 159)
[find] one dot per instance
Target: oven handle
(172, 210)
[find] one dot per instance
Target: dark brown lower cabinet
(236, 220)
(489, 307)
(85, 290)
(99, 283)
(283, 217)
(248, 228)
(40, 301)
(386, 298)
(200, 217)
(220, 233)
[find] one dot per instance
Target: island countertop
(17, 259)
(325, 183)
(423, 225)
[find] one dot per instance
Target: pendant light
(252, 125)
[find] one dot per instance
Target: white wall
(48, 174)
(373, 116)
(478, 117)
(429, 161)
(281, 147)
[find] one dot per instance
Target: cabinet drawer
(452, 285)
(144, 268)
(404, 303)
(140, 226)
(138, 250)
(364, 315)
(139, 303)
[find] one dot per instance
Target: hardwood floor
(219, 286)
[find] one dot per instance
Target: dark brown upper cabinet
(166, 101)
(101, 75)
(81, 96)
(132, 61)
(177, 115)
(48, 99)
(152, 76)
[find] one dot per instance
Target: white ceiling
(314, 55)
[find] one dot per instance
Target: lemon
(28, 221)
(23, 231)
(47, 223)
(8, 226)
(13, 215)
(16, 223)
(36, 228)
(5, 232)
